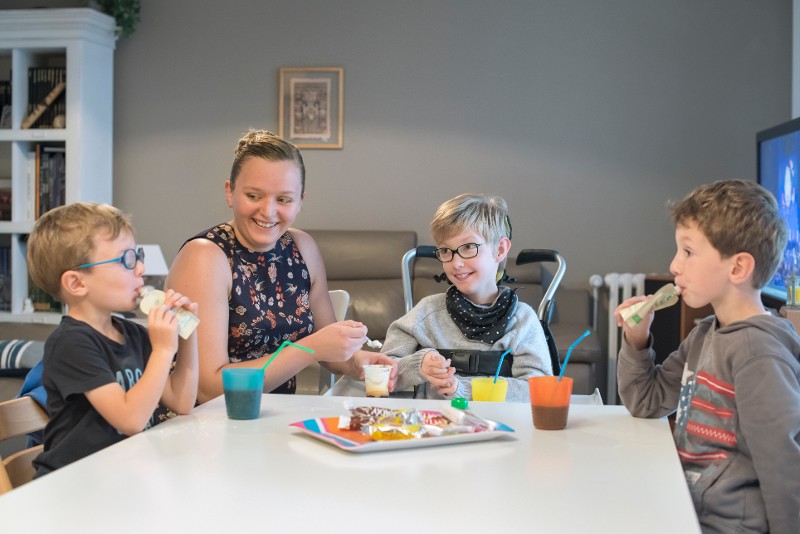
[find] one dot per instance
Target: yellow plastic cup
(486, 389)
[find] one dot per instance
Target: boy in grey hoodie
(735, 380)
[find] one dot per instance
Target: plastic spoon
(569, 353)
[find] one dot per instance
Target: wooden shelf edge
(31, 318)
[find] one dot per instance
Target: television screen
(778, 160)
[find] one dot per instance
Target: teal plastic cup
(243, 389)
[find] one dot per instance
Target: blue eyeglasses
(128, 259)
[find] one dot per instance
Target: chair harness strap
(478, 362)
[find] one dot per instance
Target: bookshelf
(81, 41)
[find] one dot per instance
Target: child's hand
(449, 390)
(162, 327)
(436, 370)
(639, 335)
(173, 299)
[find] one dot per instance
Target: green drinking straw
(281, 348)
(497, 373)
(569, 352)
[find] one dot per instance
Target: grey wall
(587, 116)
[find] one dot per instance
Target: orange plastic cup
(550, 401)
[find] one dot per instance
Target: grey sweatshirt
(737, 393)
(428, 327)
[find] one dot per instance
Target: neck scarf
(482, 323)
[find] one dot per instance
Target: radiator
(620, 286)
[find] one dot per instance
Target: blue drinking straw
(569, 352)
(497, 373)
(281, 348)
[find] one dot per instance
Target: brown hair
(63, 238)
(737, 216)
(266, 145)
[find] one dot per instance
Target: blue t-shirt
(78, 358)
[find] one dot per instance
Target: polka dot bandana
(482, 323)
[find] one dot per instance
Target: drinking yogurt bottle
(187, 321)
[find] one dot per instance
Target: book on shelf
(46, 98)
(49, 178)
(5, 203)
(5, 278)
(41, 300)
(30, 164)
(5, 104)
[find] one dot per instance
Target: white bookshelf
(83, 41)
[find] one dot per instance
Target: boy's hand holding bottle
(636, 314)
(637, 336)
(168, 315)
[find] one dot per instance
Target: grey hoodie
(737, 394)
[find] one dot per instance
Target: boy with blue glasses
(104, 376)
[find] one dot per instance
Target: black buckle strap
(478, 362)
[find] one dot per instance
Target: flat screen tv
(778, 151)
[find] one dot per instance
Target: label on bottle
(664, 297)
(187, 321)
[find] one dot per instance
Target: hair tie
(504, 277)
(442, 278)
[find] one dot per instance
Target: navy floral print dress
(269, 300)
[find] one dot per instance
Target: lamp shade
(154, 262)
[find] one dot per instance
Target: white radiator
(620, 286)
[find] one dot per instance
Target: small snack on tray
(465, 419)
(388, 431)
(362, 416)
(387, 424)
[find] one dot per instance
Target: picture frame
(311, 106)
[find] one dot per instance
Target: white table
(607, 472)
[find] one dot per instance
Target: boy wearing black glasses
(476, 314)
(104, 376)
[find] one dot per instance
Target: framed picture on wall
(311, 105)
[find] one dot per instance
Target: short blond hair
(737, 216)
(485, 215)
(64, 238)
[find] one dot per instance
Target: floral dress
(269, 300)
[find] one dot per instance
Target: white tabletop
(607, 472)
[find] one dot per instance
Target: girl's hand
(337, 342)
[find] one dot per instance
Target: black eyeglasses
(466, 251)
(128, 259)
